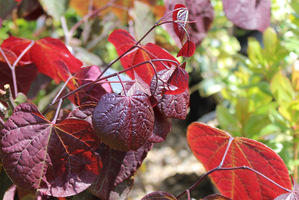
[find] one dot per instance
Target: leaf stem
(57, 111)
(229, 168)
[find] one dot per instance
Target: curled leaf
(180, 18)
(188, 49)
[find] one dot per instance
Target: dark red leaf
(25, 75)
(188, 49)
(162, 127)
(209, 144)
(180, 18)
(170, 81)
(56, 159)
(53, 59)
(124, 122)
(90, 93)
(117, 167)
(159, 195)
(201, 13)
(174, 106)
(83, 112)
(249, 15)
(293, 195)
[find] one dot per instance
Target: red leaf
(56, 159)
(156, 52)
(53, 59)
(159, 195)
(137, 85)
(124, 122)
(293, 195)
(180, 16)
(188, 49)
(17, 45)
(209, 144)
(90, 93)
(50, 56)
(180, 79)
(117, 167)
(123, 41)
(249, 15)
(201, 14)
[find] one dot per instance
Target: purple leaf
(161, 128)
(124, 122)
(83, 112)
(56, 159)
(122, 190)
(174, 106)
(249, 15)
(118, 166)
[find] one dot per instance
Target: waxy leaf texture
(55, 159)
(124, 122)
(249, 15)
(209, 144)
(180, 18)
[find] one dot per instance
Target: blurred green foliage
(257, 93)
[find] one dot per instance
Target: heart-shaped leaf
(124, 122)
(249, 15)
(209, 144)
(56, 159)
(188, 49)
(159, 195)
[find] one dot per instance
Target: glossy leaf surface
(159, 195)
(117, 167)
(124, 122)
(209, 144)
(249, 15)
(56, 159)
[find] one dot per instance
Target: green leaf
(227, 120)
(282, 88)
(55, 8)
(270, 39)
